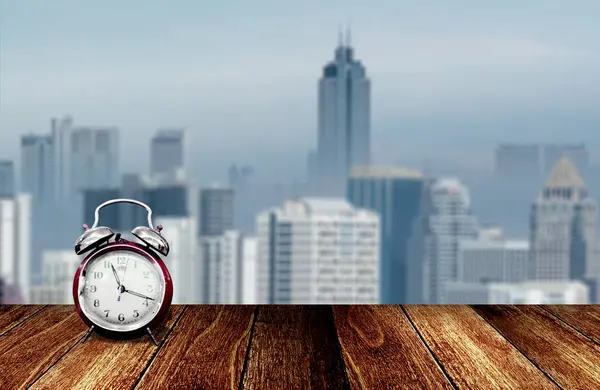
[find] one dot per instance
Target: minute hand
(138, 294)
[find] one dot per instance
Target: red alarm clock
(122, 288)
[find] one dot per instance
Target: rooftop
(564, 174)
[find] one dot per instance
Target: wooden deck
(310, 347)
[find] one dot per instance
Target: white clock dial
(121, 291)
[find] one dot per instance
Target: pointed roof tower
(564, 174)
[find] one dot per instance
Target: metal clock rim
(159, 266)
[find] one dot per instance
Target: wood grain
(473, 354)
(206, 350)
(12, 315)
(294, 347)
(29, 350)
(571, 359)
(584, 318)
(101, 363)
(383, 351)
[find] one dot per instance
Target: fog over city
(437, 87)
(446, 76)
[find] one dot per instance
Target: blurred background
(307, 152)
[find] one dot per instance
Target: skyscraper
(450, 221)
(7, 178)
(166, 152)
(563, 227)
(37, 167)
(397, 195)
(15, 242)
(86, 157)
(216, 210)
(518, 161)
(318, 250)
(344, 119)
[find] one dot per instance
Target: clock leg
(88, 333)
(152, 336)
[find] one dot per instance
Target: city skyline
(468, 70)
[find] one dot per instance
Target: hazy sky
(242, 75)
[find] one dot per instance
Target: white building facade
(450, 222)
(58, 271)
(318, 250)
(183, 260)
(15, 243)
(539, 293)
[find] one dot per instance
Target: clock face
(121, 290)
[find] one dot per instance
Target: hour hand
(138, 294)
(116, 275)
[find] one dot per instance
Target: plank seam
(162, 343)
(59, 359)
(339, 351)
(23, 320)
(247, 355)
(435, 359)
(558, 317)
(517, 348)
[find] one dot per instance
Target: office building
(461, 293)
(183, 260)
(58, 271)
(15, 242)
(166, 152)
(37, 167)
(7, 178)
(518, 161)
(450, 222)
(397, 195)
(344, 119)
(563, 227)
(249, 275)
(318, 250)
(86, 157)
(224, 261)
(539, 293)
(492, 259)
(577, 153)
(216, 210)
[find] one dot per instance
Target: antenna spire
(348, 36)
(340, 36)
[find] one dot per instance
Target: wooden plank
(584, 318)
(101, 363)
(572, 360)
(206, 350)
(13, 315)
(30, 349)
(294, 347)
(473, 353)
(382, 350)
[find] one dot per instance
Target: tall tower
(563, 226)
(166, 151)
(344, 123)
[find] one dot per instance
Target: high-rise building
(183, 260)
(15, 242)
(539, 293)
(86, 157)
(166, 152)
(225, 261)
(563, 227)
(397, 195)
(249, 294)
(37, 167)
(7, 178)
(216, 210)
(492, 260)
(58, 270)
(344, 119)
(450, 222)
(577, 153)
(518, 161)
(318, 250)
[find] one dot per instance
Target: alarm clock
(122, 288)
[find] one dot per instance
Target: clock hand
(116, 275)
(137, 294)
